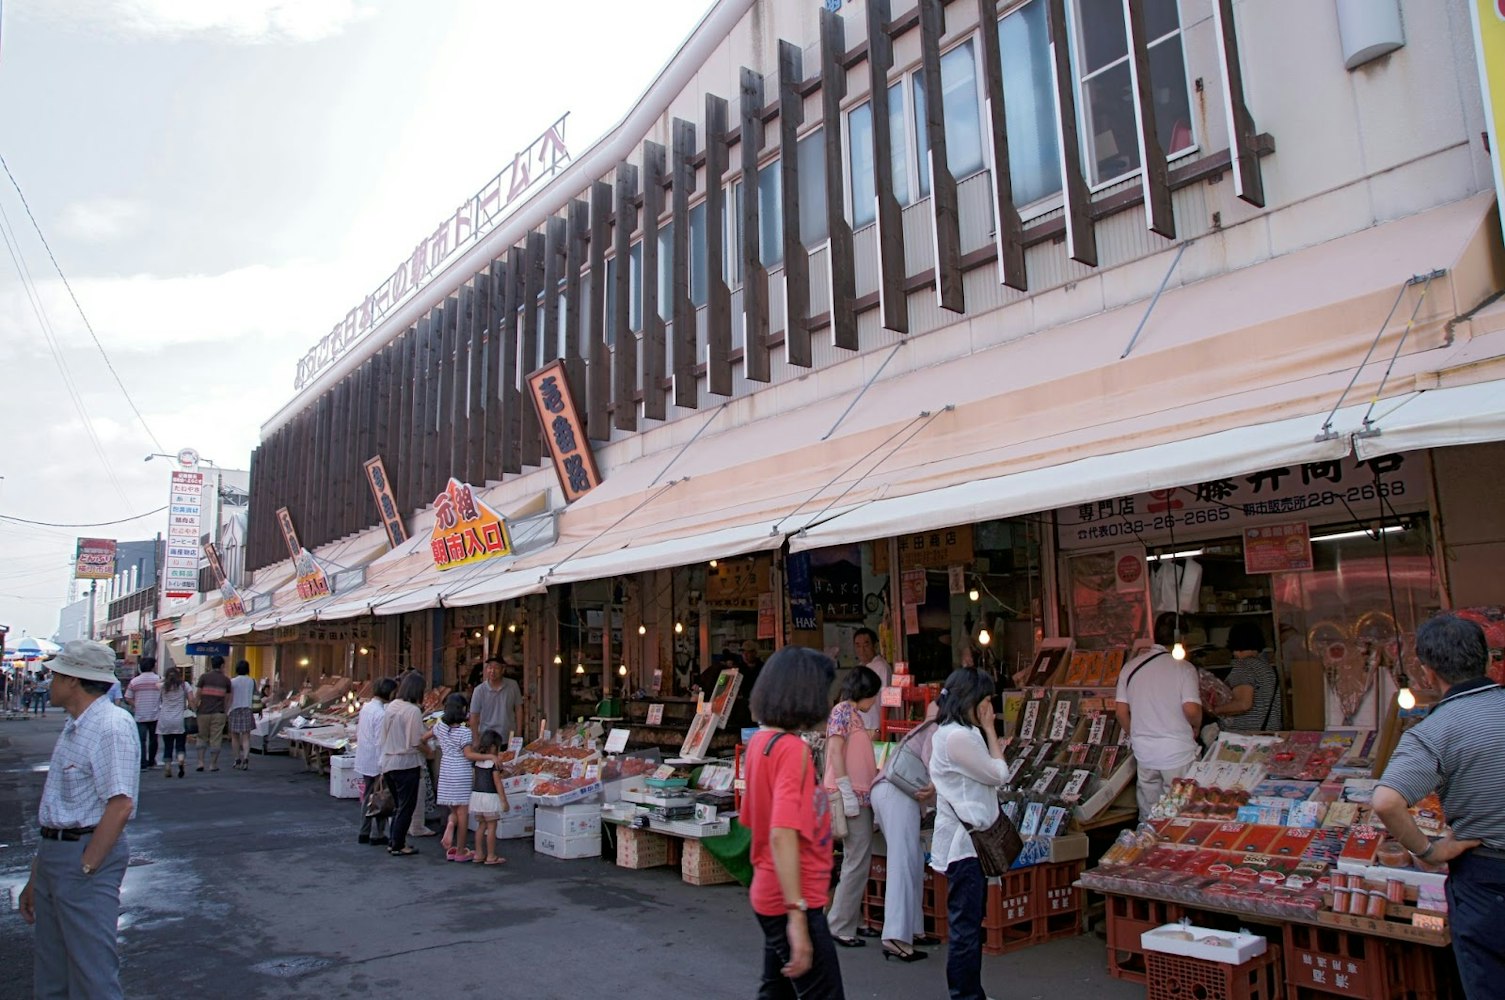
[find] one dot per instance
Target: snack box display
(1202, 942)
(1360, 848)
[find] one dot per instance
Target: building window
(635, 292)
(698, 273)
(1029, 103)
(860, 153)
(962, 113)
(811, 152)
(1102, 60)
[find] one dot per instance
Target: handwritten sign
(574, 462)
(1278, 548)
(892, 697)
(664, 772)
(655, 715)
(616, 740)
(466, 531)
(232, 606)
(312, 582)
(386, 505)
(515, 744)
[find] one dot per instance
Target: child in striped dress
(452, 737)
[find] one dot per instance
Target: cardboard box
(567, 848)
(1108, 792)
(641, 849)
(1166, 940)
(344, 782)
(1068, 847)
(569, 821)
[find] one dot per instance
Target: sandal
(900, 955)
(927, 941)
(459, 855)
(405, 852)
(495, 861)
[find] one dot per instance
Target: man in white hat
(73, 896)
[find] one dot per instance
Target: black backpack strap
(1140, 666)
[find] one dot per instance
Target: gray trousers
(856, 856)
(898, 817)
(75, 953)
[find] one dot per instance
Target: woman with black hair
(402, 744)
(850, 772)
(1255, 705)
(368, 758)
(967, 767)
(788, 815)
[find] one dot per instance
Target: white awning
(627, 558)
(1436, 418)
(1233, 452)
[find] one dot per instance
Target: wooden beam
(654, 347)
(755, 360)
(1153, 173)
(1081, 239)
(1243, 137)
(496, 411)
(576, 260)
(598, 361)
(476, 408)
(624, 343)
(402, 431)
(686, 393)
(444, 460)
(458, 386)
(894, 305)
(718, 313)
(944, 210)
(510, 386)
(1007, 227)
(841, 266)
(532, 440)
(796, 260)
(556, 236)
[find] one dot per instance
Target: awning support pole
(1369, 429)
(1154, 299)
(695, 437)
(866, 386)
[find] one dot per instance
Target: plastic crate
(1127, 918)
(1176, 977)
(699, 866)
(1421, 972)
(873, 892)
(933, 903)
(1058, 902)
(1325, 962)
(1009, 922)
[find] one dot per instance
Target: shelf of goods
(1276, 832)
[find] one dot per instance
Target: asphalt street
(252, 885)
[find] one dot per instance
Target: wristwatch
(88, 868)
(798, 904)
(1424, 855)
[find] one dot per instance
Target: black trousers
(822, 982)
(174, 745)
(148, 733)
(1476, 909)
(966, 898)
(404, 786)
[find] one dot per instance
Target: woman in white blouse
(368, 758)
(967, 767)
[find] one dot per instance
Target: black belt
(75, 833)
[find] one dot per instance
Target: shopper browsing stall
(898, 807)
(786, 810)
(1160, 707)
(865, 646)
(1459, 752)
(402, 743)
(368, 757)
(1255, 706)
(850, 770)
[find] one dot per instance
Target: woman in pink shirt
(850, 772)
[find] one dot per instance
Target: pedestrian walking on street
(452, 740)
(43, 693)
(368, 757)
(242, 716)
(968, 769)
(403, 744)
(144, 694)
(170, 726)
(850, 770)
(788, 814)
(73, 895)
(211, 702)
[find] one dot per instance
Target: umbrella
(30, 648)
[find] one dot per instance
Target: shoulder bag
(906, 769)
(379, 798)
(997, 847)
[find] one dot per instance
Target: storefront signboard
(466, 531)
(386, 504)
(1343, 490)
(1488, 18)
(928, 550)
(912, 586)
(801, 595)
(574, 462)
(232, 606)
(765, 615)
(94, 559)
(185, 511)
(312, 582)
(1278, 548)
(736, 583)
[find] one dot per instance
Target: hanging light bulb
(512, 626)
(642, 630)
(579, 668)
(1405, 697)
(1178, 651)
(558, 660)
(364, 650)
(303, 662)
(983, 638)
(972, 594)
(713, 564)
(622, 670)
(491, 626)
(477, 633)
(679, 628)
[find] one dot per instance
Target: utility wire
(79, 306)
(92, 524)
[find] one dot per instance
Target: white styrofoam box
(514, 827)
(1239, 949)
(344, 782)
(557, 846)
(583, 819)
(522, 784)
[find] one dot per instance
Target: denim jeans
(148, 733)
(966, 897)
(822, 982)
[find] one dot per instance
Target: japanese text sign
(1278, 548)
(386, 505)
(574, 461)
(232, 606)
(466, 531)
(311, 579)
(184, 513)
(94, 559)
(928, 550)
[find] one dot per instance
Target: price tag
(892, 697)
(655, 715)
(616, 741)
(593, 772)
(577, 769)
(515, 745)
(664, 772)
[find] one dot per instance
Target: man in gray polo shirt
(496, 703)
(1458, 751)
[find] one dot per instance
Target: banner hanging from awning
(466, 531)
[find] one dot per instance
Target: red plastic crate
(1009, 922)
(1058, 902)
(1176, 977)
(1127, 918)
(933, 903)
(1324, 962)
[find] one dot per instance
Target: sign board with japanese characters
(928, 550)
(738, 583)
(386, 505)
(185, 510)
(94, 559)
(232, 606)
(1278, 548)
(574, 462)
(1336, 492)
(312, 582)
(466, 531)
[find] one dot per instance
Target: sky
(220, 181)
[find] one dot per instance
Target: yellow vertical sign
(1489, 48)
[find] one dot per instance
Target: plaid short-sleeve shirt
(97, 757)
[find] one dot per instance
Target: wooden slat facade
(755, 353)
(944, 209)
(685, 391)
(654, 346)
(893, 304)
(842, 263)
(598, 361)
(624, 352)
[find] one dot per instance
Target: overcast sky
(221, 180)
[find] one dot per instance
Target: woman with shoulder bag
(968, 769)
(901, 795)
(850, 770)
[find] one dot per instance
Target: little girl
(487, 799)
(452, 738)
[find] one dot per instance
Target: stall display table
(315, 744)
(682, 840)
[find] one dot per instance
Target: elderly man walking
(73, 895)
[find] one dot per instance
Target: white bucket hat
(86, 660)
